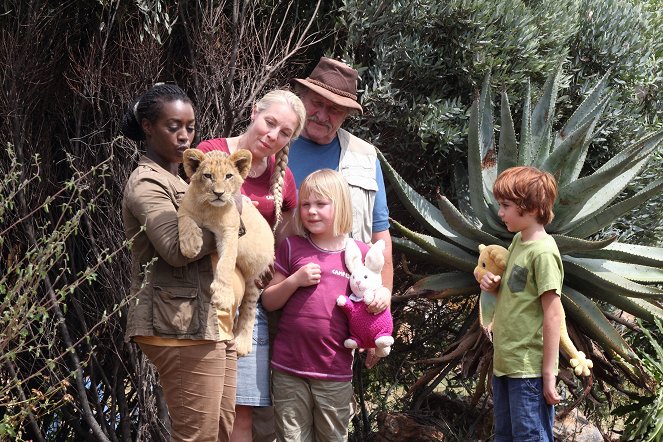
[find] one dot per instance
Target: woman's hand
(265, 277)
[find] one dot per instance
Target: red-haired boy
(528, 311)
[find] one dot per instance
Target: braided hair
(281, 158)
(149, 106)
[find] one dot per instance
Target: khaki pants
(198, 382)
(311, 410)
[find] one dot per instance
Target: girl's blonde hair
(281, 158)
(328, 184)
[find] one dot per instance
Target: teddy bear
(493, 259)
(366, 329)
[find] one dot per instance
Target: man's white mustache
(325, 123)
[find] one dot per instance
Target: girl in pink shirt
(311, 369)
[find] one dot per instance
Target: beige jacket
(170, 294)
(357, 165)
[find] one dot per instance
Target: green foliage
(33, 287)
(421, 61)
(600, 275)
(69, 71)
(644, 413)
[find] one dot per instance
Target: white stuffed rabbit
(366, 329)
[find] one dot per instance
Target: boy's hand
(550, 390)
(381, 301)
(490, 283)
(308, 275)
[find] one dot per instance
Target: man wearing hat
(329, 95)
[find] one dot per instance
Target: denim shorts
(521, 412)
(253, 369)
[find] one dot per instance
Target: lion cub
(210, 202)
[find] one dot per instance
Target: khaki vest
(357, 165)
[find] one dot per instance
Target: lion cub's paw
(191, 242)
(244, 342)
(223, 296)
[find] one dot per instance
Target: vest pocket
(175, 310)
(360, 177)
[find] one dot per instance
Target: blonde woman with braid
(276, 120)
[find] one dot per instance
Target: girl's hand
(381, 301)
(490, 283)
(308, 275)
(371, 358)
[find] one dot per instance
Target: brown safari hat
(335, 81)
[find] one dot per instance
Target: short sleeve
(548, 273)
(282, 261)
(380, 209)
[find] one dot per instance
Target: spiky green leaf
(599, 199)
(634, 272)
(487, 134)
(569, 244)
(445, 285)
(461, 225)
(604, 218)
(588, 109)
(586, 115)
(643, 147)
(595, 273)
(474, 164)
(412, 250)
(542, 118)
(447, 254)
(572, 148)
(584, 312)
(635, 254)
(595, 191)
(507, 152)
(423, 211)
(640, 308)
(526, 152)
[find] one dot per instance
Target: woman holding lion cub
(276, 120)
(169, 316)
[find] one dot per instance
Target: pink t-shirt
(309, 340)
(258, 188)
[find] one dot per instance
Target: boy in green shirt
(528, 311)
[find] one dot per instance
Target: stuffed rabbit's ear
(375, 257)
(352, 255)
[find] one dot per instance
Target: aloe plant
(599, 273)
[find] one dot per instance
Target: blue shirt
(306, 156)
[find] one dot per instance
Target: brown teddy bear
(493, 259)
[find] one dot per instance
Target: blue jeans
(521, 412)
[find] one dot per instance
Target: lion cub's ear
(192, 160)
(242, 161)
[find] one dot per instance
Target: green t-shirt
(534, 267)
